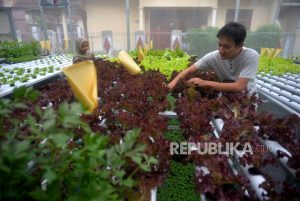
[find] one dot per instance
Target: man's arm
(182, 75)
(239, 85)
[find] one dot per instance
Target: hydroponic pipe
(291, 78)
(295, 83)
(265, 92)
(283, 93)
(255, 180)
(277, 96)
(273, 147)
(283, 86)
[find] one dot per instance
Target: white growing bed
(57, 61)
(285, 90)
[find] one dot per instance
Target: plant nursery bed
(122, 148)
(31, 73)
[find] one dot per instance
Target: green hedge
(201, 41)
(265, 36)
(19, 51)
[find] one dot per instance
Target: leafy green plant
(172, 101)
(36, 70)
(20, 71)
(277, 66)
(22, 58)
(24, 79)
(53, 155)
(174, 136)
(11, 83)
(179, 184)
(3, 80)
(165, 61)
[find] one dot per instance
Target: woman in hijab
(82, 51)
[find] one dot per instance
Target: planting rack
(285, 90)
(273, 145)
(58, 62)
(283, 171)
(255, 180)
(217, 125)
(6, 91)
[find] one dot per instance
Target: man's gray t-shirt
(243, 66)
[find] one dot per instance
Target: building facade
(122, 19)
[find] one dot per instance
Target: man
(231, 61)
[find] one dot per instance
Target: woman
(82, 51)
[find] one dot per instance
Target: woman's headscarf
(78, 54)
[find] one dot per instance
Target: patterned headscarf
(78, 54)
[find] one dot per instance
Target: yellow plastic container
(45, 44)
(263, 51)
(82, 78)
(128, 63)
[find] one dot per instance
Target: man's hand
(172, 84)
(199, 82)
(237, 86)
(182, 75)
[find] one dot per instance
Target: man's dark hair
(233, 30)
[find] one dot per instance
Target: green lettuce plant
(165, 61)
(277, 66)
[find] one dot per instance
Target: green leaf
(22, 147)
(19, 92)
(63, 109)
(136, 159)
(60, 139)
(48, 124)
(20, 106)
(48, 113)
(130, 138)
(145, 167)
(4, 112)
(171, 101)
(23, 92)
(76, 108)
(140, 148)
(127, 182)
(153, 160)
(50, 176)
(32, 94)
(120, 174)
